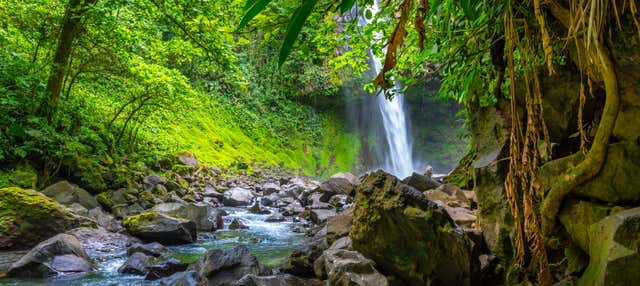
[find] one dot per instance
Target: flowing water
(397, 153)
(270, 242)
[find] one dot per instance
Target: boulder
(67, 194)
(104, 219)
(189, 159)
(276, 280)
(220, 267)
(270, 188)
(333, 186)
(420, 182)
(409, 236)
(319, 216)
(158, 227)
(461, 216)
(187, 278)
(275, 218)
(237, 224)
(236, 197)
(313, 201)
(99, 241)
(136, 264)
(164, 268)
(28, 217)
(124, 210)
(269, 200)
(339, 226)
(150, 181)
(342, 243)
(300, 261)
(450, 195)
(62, 253)
(293, 208)
(349, 177)
(344, 267)
(153, 249)
(203, 215)
(257, 208)
(613, 250)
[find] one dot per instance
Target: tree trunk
(71, 24)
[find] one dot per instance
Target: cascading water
(397, 158)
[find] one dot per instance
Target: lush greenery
(143, 80)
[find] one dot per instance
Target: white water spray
(398, 156)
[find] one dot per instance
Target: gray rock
(334, 186)
(150, 249)
(151, 181)
(188, 278)
(342, 243)
(122, 211)
(237, 224)
(275, 218)
(270, 188)
(188, 159)
(136, 264)
(203, 215)
(225, 267)
(420, 182)
(256, 208)
(276, 280)
(62, 253)
(99, 241)
(339, 225)
(67, 194)
(238, 197)
(104, 219)
(319, 216)
(158, 227)
(349, 177)
(344, 267)
(164, 268)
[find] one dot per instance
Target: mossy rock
(28, 217)
(162, 228)
(409, 236)
(104, 199)
(614, 250)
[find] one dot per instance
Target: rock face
(409, 236)
(204, 216)
(62, 253)
(28, 217)
(236, 197)
(224, 267)
(153, 226)
(67, 194)
(613, 250)
(344, 267)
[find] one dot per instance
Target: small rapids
(270, 242)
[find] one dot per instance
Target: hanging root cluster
(522, 183)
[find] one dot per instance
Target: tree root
(563, 184)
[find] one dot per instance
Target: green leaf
(294, 28)
(346, 5)
(249, 4)
(253, 11)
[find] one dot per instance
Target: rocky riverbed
(204, 227)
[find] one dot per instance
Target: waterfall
(397, 154)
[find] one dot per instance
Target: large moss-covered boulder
(28, 217)
(577, 217)
(614, 245)
(408, 236)
(67, 194)
(158, 227)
